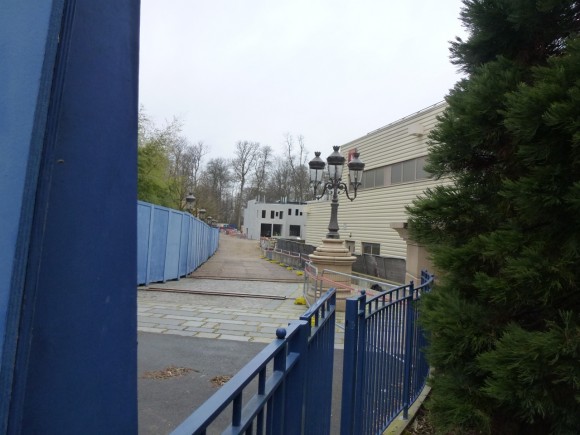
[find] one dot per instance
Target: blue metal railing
(384, 366)
(170, 243)
(294, 382)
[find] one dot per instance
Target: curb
(398, 425)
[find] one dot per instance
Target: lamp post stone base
(333, 256)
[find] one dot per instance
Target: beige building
(394, 156)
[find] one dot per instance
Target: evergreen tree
(504, 319)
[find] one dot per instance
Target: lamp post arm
(344, 187)
(327, 185)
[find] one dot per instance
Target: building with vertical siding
(394, 156)
(279, 219)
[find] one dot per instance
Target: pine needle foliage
(504, 235)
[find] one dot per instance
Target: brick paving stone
(183, 333)
(234, 337)
(246, 328)
(164, 321)
(262, 339)
(196, 329)
(251, 316)
(148, 329)
(174, 327)
(217, 315)
(231, 322)
(196, 323)
(171, 316)
(229, 331)
(207, 335)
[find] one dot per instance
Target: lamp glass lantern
(190, 202)
(356, 168)
(335, 164)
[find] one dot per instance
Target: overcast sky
(331, 70)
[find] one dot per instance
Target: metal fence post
(295, 383)
(360, 363)
(410, 325)
(351, 370)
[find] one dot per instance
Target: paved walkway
(236, 295)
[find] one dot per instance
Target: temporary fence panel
(294, 383)
(384, 366)
(171, 243)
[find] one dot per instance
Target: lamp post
(190, 202)
(332, 255)
(334, 183)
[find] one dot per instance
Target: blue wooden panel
(173, 246)
(76, 353)
(184, 245)
(144, 214)
(159, 244)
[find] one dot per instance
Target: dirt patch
(169, 372)
(421, 425)
(218, 381)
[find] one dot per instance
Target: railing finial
(281, 333)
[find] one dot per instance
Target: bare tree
(297, 160)
(246, 154)
(279, 186)
(196, 153)
(261, 171)
(214, 189)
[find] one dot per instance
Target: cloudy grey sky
(331, 70)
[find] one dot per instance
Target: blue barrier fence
(384, 366)
(170, 243)
(294, 382)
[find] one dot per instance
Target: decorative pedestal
(417, 256)
(333, 255)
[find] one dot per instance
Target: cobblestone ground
(209, 312)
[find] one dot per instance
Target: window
(396, 173)
(297, 213)
(271, 214)
(371, 248)
(266, 230)
(277, 230)
(281, 215)
(289, 212)
(421, 173)
(294, 230)
(409, 170)
(402, 172)
(263, 214)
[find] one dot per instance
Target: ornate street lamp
(334, 183)
(201, 213)
(190, 202)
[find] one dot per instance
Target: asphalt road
(164, 402)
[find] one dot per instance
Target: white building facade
(263, 219)
(393, 177)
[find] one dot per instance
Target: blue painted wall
(28, 51)
(171, 243)
(68, 135)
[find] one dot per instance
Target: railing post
(295, 383)
(352, 348)
(410, 326)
